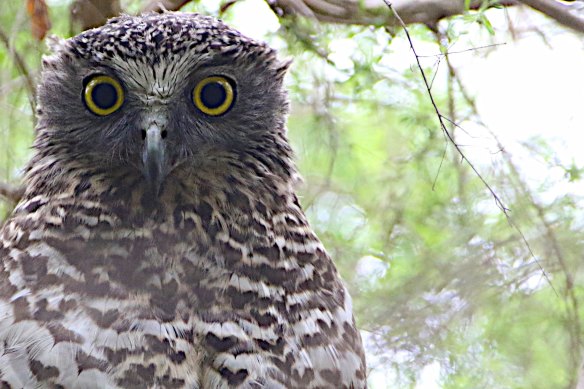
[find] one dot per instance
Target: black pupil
(104, 95)
(213, 95)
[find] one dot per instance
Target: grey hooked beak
(154, 158)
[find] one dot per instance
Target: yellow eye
(103, 95)
(213, 95)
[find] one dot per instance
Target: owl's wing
(323, 347)
(330, 345)
(35, 347)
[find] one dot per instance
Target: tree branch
(442, 120)
(559, 12)
(93, 13)
(373, 12)
(428, 12)
(22, 69)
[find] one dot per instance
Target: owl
(160, 242)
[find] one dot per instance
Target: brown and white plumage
(199, 270)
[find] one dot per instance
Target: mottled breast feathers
(160, 244)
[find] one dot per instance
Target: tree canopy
(460, 242)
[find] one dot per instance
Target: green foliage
(480, 15)
(438, 273)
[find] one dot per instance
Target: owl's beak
(154, 158)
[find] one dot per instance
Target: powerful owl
(160, 242)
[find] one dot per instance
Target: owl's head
(153, 92)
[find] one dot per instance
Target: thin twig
(440, 167)
(441, 118)
(463, 157)
(462, 51)
(323, 114)
(22, 69)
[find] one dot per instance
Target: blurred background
(463, 250)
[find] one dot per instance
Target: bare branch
(22, 69)
(559, 12)
(428, 12)
(442, 118)
(372, 12)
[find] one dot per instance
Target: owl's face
(151, 93)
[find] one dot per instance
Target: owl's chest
(197, 302)
(167, 321)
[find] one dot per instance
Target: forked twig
(442, 119)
